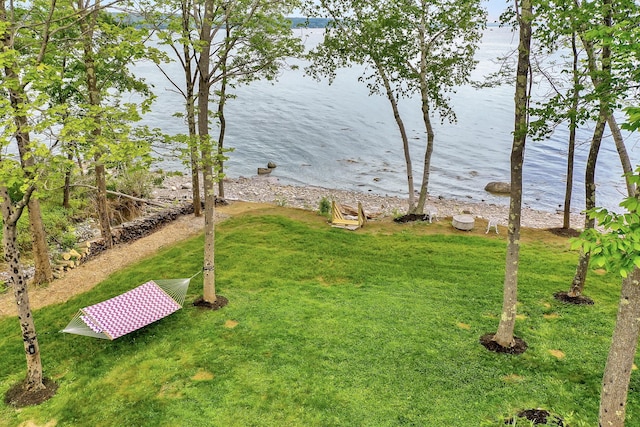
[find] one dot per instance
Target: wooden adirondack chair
(338, 219)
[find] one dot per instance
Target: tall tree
(178, 31)
(97, 73)
(229, 42)
(414, 47)
(616, 249)
(17, 95)
(556, 31)
(11, 212)
(249, 40)
(609, 74)
(504, 337)
(21, 81)
(88, 26)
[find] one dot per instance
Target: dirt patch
(564, 232)
(411, 218)
(577, 300)
(519, 345)
(538, 417)
(230, 324)
(19, 397)
(216, 305)
(202, 376)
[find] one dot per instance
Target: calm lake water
(337, 136)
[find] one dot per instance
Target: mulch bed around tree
(538, 416)
(579, 300)
(217, 305)
(519, 347)
(564, 232)
(411, 218)
(19, 397)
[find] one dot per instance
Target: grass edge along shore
(270, 190)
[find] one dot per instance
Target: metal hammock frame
(170, 293)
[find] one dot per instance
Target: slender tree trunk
(66, 190)
(617, 371)
(627, 168)
(580, 277)
(223, 125)
(601, 82)
(426, 118)
(190, 107)
(87, 24)
(10, 216)
(43, 271)
(575, 99)
(206, 148)
(504, 336)
(102, 205)
(403, 133)
(426, 173)
(221, 103)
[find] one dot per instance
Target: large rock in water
(498, 187)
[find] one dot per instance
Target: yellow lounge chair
(338, 219)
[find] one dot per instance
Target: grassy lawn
(327, 327)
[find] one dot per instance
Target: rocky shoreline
(267, 189)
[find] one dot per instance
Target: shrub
(325, 206)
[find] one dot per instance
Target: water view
(338, 136)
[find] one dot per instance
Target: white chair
(432, 213)
(493, 222)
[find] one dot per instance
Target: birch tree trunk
(221, 103)
(18, 99)
(190, 108)
(601, 82)
(625, 162)
(426, 118)
(87, 24)
(403, 134)
(617, 371)
(580, 277)
(504, 336)
(206, 151)
(10, 216)
(575, 99)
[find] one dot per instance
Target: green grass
(334, 329)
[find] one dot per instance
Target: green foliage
(136, 182)
(422, 48)
(633, 118)
(333, 328)
(57, 224)
(60, 231)
(325, 206)
(617, 248)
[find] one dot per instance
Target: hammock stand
(130, 311)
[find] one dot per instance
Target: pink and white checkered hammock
(130, 311)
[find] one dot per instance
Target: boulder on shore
(498, 187)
